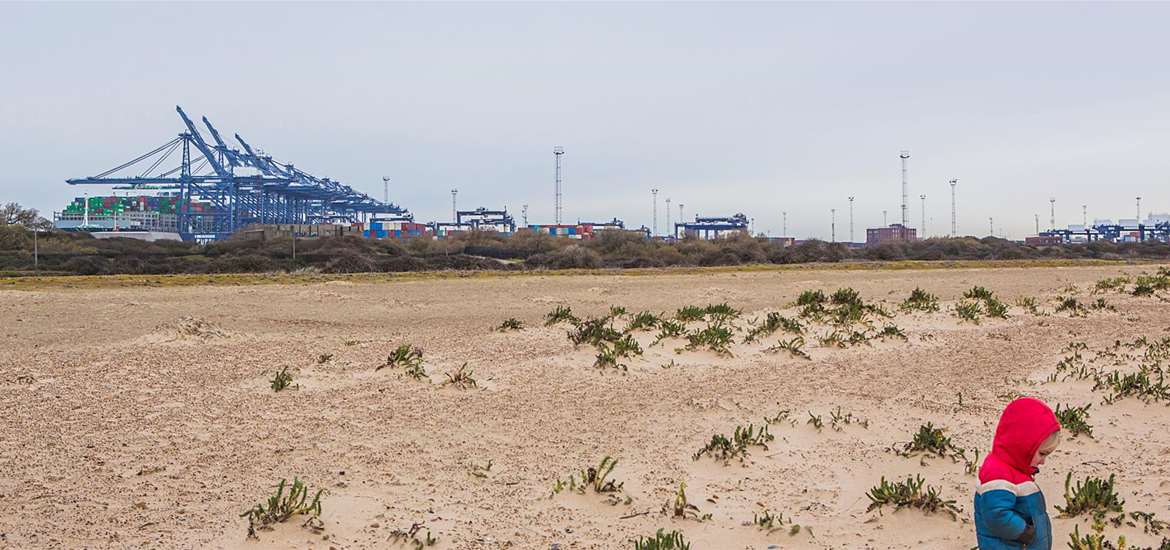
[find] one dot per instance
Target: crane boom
(202, 146)
(228, 153)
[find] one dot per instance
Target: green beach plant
(405, 355)
(510, 323)
(920, 300)
(1075, 420)
(281, 380)
(662, 541)
(281, 505)
(910, 494)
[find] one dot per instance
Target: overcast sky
(754, 108)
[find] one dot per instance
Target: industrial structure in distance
(193, 189)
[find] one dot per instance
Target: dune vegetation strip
(32, 281)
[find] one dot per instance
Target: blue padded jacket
(1003, 510)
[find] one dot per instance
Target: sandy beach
(144, 417)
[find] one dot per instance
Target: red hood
(1023, 427)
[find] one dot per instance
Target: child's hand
(1028, 534)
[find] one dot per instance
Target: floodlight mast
(954, 226)
(558, 151)
(905, 156)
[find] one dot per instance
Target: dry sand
(144, 417)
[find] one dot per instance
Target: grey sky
(758, 108)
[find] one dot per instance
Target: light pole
(654, 231)
(954, 230)
(833, 225)
(885, 220)
(851, 219)
(524, 214)
(557, 199)
(923, 197)
(991, 226)
(668, 228)
(785, 215)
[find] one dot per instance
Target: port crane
(222, 188)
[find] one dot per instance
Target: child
(1009, 509)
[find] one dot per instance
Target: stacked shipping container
(579, 231)
(386, 229)
(108, 206)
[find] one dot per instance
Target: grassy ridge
(245, 279)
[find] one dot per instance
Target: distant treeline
(81, 254)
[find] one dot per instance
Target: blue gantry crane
(1114, 232)
(709, 227)
(222, 189)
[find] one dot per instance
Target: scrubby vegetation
(1093, 496)
(612, 345)
(969, 311)
(920, 300)
(1148, 285)
(1072, 306)
(669, 329)
(715, 337)
(409, 358)
(593, 331)
(726, 448)
(910, 494)
(772, 523)
(1030, 304)
(411, 536)
(1141, 377)
(816, 421)
(610, 354)
(510, 323)
(715, 313)
(679, 507)
(933, 441)
(562, 314)
(795, 346)
(644, 320)
(772, 322)
(979, 301)
(1145, 284)
(1147, 384)
(1093, 541)
(462, 378)
(1074, 420)
(405, 355)
(596, 479)
(281, 380)
(662, 541)
(688, 314)
(281, 505)
(838, 419)
(929, 440)
(81, 254)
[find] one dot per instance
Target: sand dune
(144, 417)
